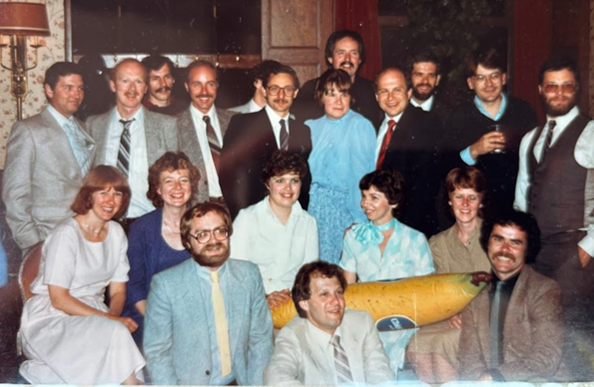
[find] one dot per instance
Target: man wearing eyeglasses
(202, 128)
(207, 320)
(486, 131)
(555, 184)
(252, 138)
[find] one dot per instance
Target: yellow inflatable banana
(405, 303)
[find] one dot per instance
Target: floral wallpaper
(53, 51)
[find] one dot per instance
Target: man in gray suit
(260, 73)
(47, 157)
(207, 321)
(326, 344)
(202, 128)
(129, 136)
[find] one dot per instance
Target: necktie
(218, 305)
(385, 144)
(494, 326)
(548, 139)
(284, 136)
(79, 146)
(341, 362)
(124, 151)
(213, 143)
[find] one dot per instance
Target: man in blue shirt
(207, 321)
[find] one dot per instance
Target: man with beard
(486, 131)
(160, 86)
(48, 156)
(202, 128)
(424, 70)
(344, 50)
(514, 330)
(207, 320)
(252, 138)
(130, 137)
(555, 184)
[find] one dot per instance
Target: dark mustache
(162, 89)
(204, 95)
(346, 62)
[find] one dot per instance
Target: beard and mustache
(559, 110)
(211, 260)
(420, 95)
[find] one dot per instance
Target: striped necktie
(284, 136)
(124, 151)
(341, 362)
(213, 143)
(218, 306)
(548, 139)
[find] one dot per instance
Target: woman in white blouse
(276, 233)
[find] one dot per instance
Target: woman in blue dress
(154, 239)
(382, 248)
(343, 146)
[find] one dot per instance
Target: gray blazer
(191, 147)
(176, 340)
(296, 361)
(41, 177)
(161, 133)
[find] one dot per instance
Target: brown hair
(170, 161)
(101, 177)
(331, 77)
(198, 211)
(466, 177)
(301, 288)
(282, 162)
(389, 182)
(490, 59)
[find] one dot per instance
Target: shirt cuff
(466, 157)
(495, 374)
(587, 244)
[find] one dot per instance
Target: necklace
(88, 228)
(165, 221)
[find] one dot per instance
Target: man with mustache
(486, 131)
(203, 127)
(554, 184)
(207, 320)
(344, 50)
(130, 137)
(252, 138)
(424, 69)
(48, 156)
(514, 330)
(160, 86)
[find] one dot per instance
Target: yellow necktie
(218, 305)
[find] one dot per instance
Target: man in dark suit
(129, 136)
(344, 50)
(202, 128)
(408, 142)
(514, 331)
(47, 157)
(425, 73)
(252, 138)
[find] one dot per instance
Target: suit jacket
(533, 333)
(176, 340)
(161, 134)
(295, 361)
(248, 144)
(41, 177)
(191, 147)
(413, 151)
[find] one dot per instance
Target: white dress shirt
(138, 170)
(583, 153)
(383, 130)
(214, 188)
(275, 122)
(322, 342)
(279, 250)
(425, 105)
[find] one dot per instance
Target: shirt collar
(323, 339)
(197, 113)
(479, 105)
(204, 272)
(274, 117)
(425, 105)
(563, 121)
(396, 118)
(57, 115)
(138, 116)
(296, 209)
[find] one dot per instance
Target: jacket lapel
(60, 142)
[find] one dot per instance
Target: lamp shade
(25, 19)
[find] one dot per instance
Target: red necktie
(385, 143)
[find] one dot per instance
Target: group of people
(194, 222)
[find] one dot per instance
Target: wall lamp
(18, 21)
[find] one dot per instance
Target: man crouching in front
(326, 344)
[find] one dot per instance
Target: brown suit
(533, 333)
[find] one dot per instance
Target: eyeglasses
(204, 236)
(493, 77)
(553, 88)
(274, 90)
